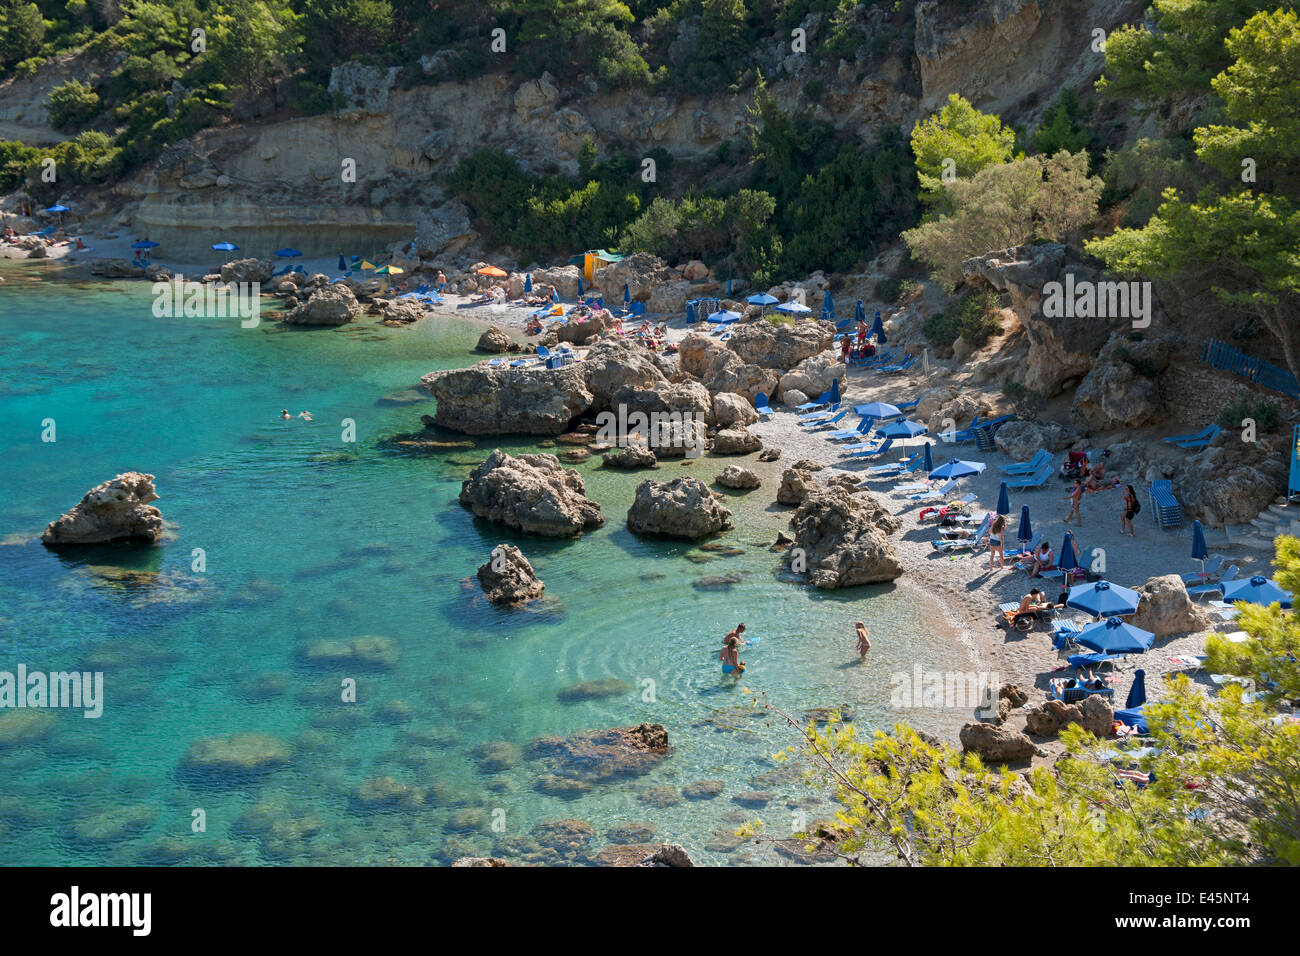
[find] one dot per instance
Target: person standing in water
(730, 656)
(284, 413)
(864, 642)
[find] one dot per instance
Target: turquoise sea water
(309, 537)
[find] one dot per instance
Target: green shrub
(896, 289)
(1267, 415)
(1143, 366)
(22, 31)
(72, 104)
(1026, 400)
(973, 318)
(16, 160)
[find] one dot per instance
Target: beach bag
(1137, 507)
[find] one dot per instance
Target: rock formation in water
(682, 508)
(843, 540)
(508, 577)
(116, 510)
(532, 493)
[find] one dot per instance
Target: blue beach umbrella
(1256, 590)
(627, 294)
(690, 313)
(926, 463)
(793, 308)
(956, 468)
(728, 288)
(287, 253)
(762, 298)
(144, 244)
(878, 410)
(343, 263)
(580, 287)
(555, 295)
(828, 307)
(224, 246)
(1004, 500)
(835, 391)
(859, 312)
(878, 329)
(1067, 561)
(903, 429)
(1137, 694)
(1199, 551)
(1025, 533)
(528, 282)
(59, 208)
(1103, 599)
(1115, 636)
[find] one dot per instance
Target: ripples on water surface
(308, 538)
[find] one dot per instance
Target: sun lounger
(966, 539)
(818, 416)
(1041, 457)
(1166, 512)
(1070, 690)
(902, 366)
(858, 430)
(1032, 481)
(908, 406)
(762, 407)
(1196, 440)
(1186, 662)
(1029, 549)
(894, 467)
(825, 423)
(933, 493)
(873, 452)
(823, 400)
(1201, 577)
(1064, 631)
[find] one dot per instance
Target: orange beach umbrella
(492, 271)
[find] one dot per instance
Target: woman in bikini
(997, 532)
(864, 642)
(1130, 509)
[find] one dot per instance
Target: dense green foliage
(72, 104)
(956, 143)
(1266, 415)
(1239, 238)
(972, 317)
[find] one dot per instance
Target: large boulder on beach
(796, 485)
(1050, 717)
(563, 278)
(997, 745)
(482, 400)
(1121, 389)
(581, 331)
(115, 510)
(682, 508)
(731, 409)
(843, 540)
(641, 272)
(686, 399)
(333, 304)
(494, 340)
(531, 493)
(729, 373)
(247, 270)
(612, 364)
(678, 438)
(812, 376)
(1165, 608)
(697, 352)
(736, 440)
(780, 346)
(1021, 439)
(508, 577)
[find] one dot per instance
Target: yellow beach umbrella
(367, 264)
(389, 271)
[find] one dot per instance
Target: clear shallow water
(307, 537)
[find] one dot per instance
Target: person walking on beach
(864, 642)
(1076, 501)
(1131, 508)
(997, 531)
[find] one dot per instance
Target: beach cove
(306, 538)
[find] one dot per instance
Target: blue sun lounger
(825, 399)
(1032, 481)
(1032, 547)
(1041, 457)
(902, 366)
(1196, 439)
(762, 407)
(895, 467)
(1229, 575)
(814, 417)
(843, 434)
(873, 452)
(976, 539)
(825, 423)
(941, 492)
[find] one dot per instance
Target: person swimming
(305, 416)
(284, 413)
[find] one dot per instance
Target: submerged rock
(633, 455)
(371, 652)
(235, 757)
(736, 440)
(116, 510)
(682, 508)
(508, 577)
(531, 493)
(603, 755)
(594, 690)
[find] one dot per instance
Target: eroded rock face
(1116, 393)
(531, 493)
(1021, 439)
(736, 440)
(995, 745)
(733, 476)
(1049, 718)
(697, 352)
(796, 485)
(115, 269)
(1062, 348)
(730, 409)
(508, 577)
(682, 508)
(499, 401)
(1166, 608)
(332, 304)
(813, 375)
(247, 270)
(780, 346)
(641, 272)
(617, 363)
(116, 510)
(729, 373)
(844, 539)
